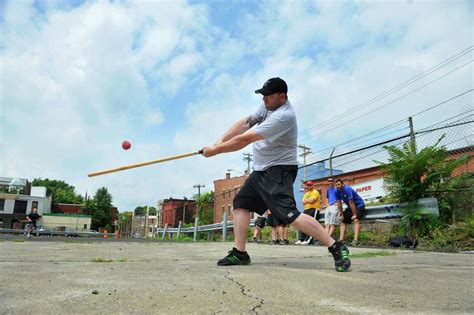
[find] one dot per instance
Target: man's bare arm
(234, 144)
(353, 208)
(238, 128)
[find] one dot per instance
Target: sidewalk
(157, 277)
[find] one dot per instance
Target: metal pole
(330, 161)
(164, 231)
(184, 212)
(179, 229)
(412, 132)
(146, 222)
(224, 227)
(196, 221)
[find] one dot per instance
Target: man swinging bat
(273, 131)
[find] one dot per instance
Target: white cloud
(75, 83)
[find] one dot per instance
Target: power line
(248, 159)
(444, 102)
(393, 101)
(448, 119)
(421, 133)
(396, 88)
(397, 123)
(362, 138)
(306, 151)
(357, 150)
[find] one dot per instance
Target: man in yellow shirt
(312, 205)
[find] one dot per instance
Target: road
(61, 277)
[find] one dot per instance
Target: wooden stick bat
(127, 167)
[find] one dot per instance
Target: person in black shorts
(273, 131)
(31, 221)
(259, 225)
(273, 223)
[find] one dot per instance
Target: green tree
(142, 210)
(205, 208)
(412, 175)
(60, 191)
(124, 217)
(100, 208)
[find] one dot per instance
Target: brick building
(224, 192)
(67, 208)
(173, 210)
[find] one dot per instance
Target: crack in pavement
(245, 292)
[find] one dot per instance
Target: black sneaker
(275, 242)
(234, 258)
(341, 256)
(259, 240)
(284, 242)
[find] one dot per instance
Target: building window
(85, 226)
(34, 204)
(223, 194)
(2, 204)
(20, 206)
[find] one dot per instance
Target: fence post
(330, 161)
(412, 132)
(164, 231)
(224, 227)
(179, 229)
(196, 221)
(209, 236)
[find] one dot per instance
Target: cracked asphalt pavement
(90, 277)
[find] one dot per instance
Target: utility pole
(198, 186)
(146, 222)
(199, 189)
(306, 151)
(412, 132)
(248, 159)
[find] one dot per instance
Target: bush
(452, 238)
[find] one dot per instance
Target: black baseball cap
(273, 85)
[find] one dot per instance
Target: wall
(224, 191)
(173, 211)
(9, 218)
(78, 222)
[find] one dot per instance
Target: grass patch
(372, 254)
(102, 260)
(123, 259)
(18, 240)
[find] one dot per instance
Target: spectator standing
(312, 206)
(331, 214)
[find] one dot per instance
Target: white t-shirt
(280, 130)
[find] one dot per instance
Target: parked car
(70, 233)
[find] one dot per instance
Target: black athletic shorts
(261, 222)
(270, 189)
(272, 221)
(312, 212)
(360, 212)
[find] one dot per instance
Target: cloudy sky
(79, 77)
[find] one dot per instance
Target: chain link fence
(358, 161)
